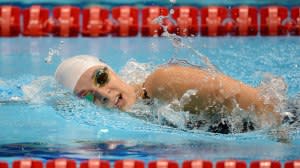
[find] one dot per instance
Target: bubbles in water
(54, 52)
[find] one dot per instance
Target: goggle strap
(90, 97)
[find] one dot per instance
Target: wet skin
(115, 93)
(169, 83)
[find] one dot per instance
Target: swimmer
(88, 77)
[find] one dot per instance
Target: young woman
(212, 92)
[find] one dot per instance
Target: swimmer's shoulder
(176, 70)
(175, 73)
(172, 81)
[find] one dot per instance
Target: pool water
(79, 130)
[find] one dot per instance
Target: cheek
(116, 83)
(119, 87)
(123, 88)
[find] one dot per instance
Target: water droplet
(172, 11)
(54, 52)
(104, 130)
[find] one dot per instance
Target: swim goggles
(100, 78)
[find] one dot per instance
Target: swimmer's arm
(171, 82)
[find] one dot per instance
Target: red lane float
(126, 21)
(95, 21)
(66, 21)
(245, 21)
(61, 163)
(9, 20)
(197, 164)
(295, 16)
(265, 164)
(292, 164)
(271, 19)
(231, 164)
(212, 18)
(129, 164)
(149, 28)
(186, 18)
(27, 163)
(93, 163)
(35, 21)
(163, 164)
(3, 164)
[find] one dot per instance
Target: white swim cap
(70, 70)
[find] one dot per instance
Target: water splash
(39, 90)
(178, 42)
(135, 73)
(10, 90)
(54, 52)
(273, 91)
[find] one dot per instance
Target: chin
(123, 109)
(126, 106)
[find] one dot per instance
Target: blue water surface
(41, 131)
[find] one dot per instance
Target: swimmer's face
(105, 88)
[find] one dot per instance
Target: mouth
(118, 100)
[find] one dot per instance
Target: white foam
(273, 91)
(134, 72)
(38, 90)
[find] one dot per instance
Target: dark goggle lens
(101, 77)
